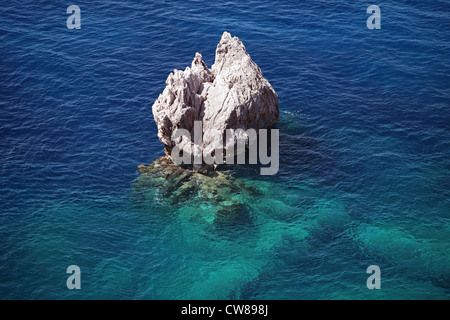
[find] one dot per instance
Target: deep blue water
(364, 164)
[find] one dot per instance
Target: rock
(232, 94)
(176, 186)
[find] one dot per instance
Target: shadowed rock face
(232, 94)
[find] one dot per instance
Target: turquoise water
(364, 154)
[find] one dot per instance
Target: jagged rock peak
(232, 94)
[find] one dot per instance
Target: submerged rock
(425, 256)
(214, 192)
(232, 94)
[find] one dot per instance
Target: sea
(364, 174)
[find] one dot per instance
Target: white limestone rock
(232, 94)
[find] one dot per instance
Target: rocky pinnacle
(232, 94)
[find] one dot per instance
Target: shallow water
(364, 153)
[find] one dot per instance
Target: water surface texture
(364, 163)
